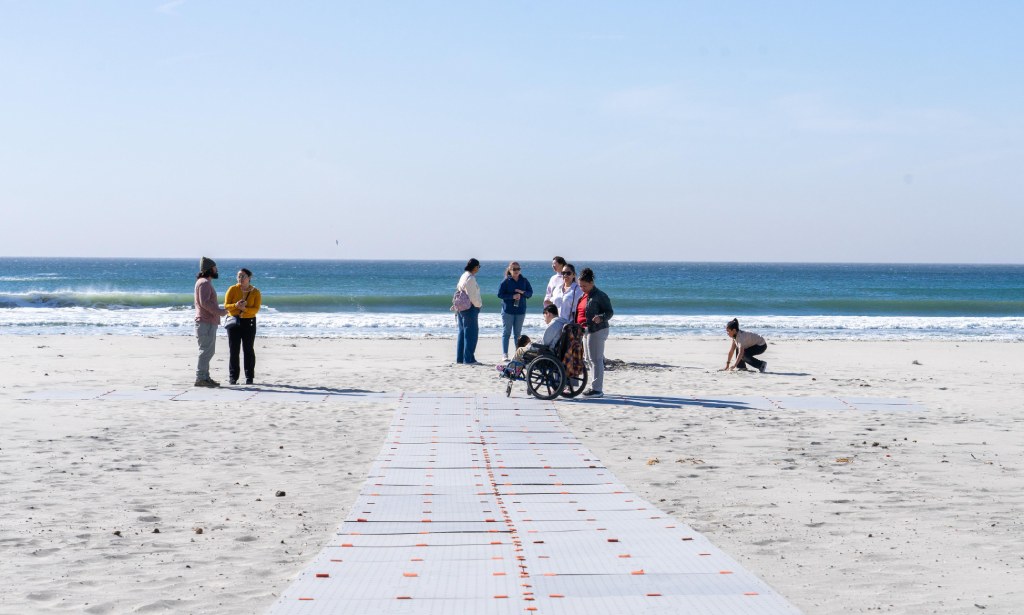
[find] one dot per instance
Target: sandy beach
(121, 506)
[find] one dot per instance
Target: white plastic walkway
(490, 506)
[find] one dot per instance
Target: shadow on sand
(650, 401)
(271, 387)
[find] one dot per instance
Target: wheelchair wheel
(575, 386)
(545, 378)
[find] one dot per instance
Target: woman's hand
(597, 319)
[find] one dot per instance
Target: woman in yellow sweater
(243, 335)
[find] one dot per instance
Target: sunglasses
(516, 269)
(568, 273)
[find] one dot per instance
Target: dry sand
(841, 511)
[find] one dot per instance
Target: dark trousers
(242, 337)
(469, 332)
(750, 353)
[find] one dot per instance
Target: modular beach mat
(490, 506)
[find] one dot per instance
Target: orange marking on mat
(653, 595)
(322, 575)
(556, 596)
(305, 598)
(750, 594)
(725, 572)
(409, 574)
(500, 596)
(637, 572)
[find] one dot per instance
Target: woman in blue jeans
(515, 289)
(469, 327)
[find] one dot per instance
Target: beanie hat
(206, 264)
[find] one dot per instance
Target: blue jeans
(512, 324)
(469, 332)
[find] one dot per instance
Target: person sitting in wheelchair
(554, 323)
(552, 334)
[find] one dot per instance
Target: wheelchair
(543, 369)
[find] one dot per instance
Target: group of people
(241, 303)
(566, 299)
(569, 299)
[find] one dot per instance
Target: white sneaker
(504, 357)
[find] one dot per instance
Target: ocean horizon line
(526, 260)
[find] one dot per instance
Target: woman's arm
(505, 289)
(230, 299)
(529, 289)
(473, 290)
(728, 360)
(605, 305)
(253, 302)
(739, 357)
(608, 312)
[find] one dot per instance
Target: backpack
(460, 301)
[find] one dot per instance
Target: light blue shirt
(553, 331)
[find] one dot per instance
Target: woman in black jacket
(598, 312)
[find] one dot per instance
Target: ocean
(409, 299)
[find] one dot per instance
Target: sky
(671, 131)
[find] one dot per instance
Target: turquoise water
(410, 298)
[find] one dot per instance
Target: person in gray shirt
(554, 323)
(746, 346)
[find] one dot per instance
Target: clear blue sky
(710, 131)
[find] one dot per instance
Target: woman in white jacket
(567, 294)
(468, 319)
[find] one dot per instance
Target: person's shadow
(270, 387)
(652, 401)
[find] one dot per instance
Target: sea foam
(272, 323)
